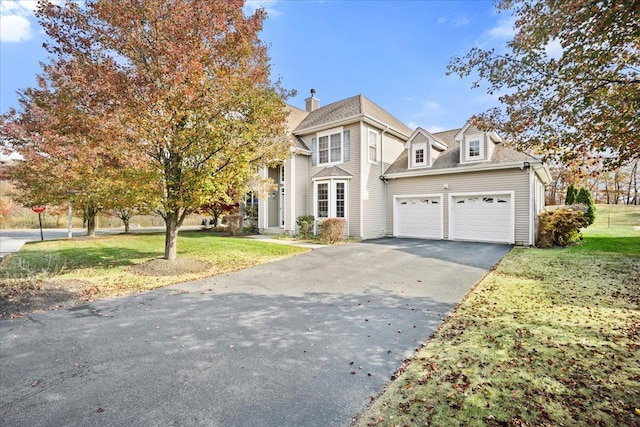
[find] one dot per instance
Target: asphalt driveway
(300, 342)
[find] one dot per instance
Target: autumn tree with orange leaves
(67, 136)
(184, 89)
(577, 103)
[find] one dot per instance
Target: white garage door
(417, 216)
(483, 218)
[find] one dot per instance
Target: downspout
(384, 181)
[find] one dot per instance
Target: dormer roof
(437, 142)
(492, 134)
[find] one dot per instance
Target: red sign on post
(39, 209)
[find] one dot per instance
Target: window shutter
(346, 145)
(314, 151)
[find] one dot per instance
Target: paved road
(300, 342)
(13, 240)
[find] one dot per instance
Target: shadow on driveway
(299, 342)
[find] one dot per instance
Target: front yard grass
(549, 338)
(108, 266)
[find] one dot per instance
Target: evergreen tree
(572, 192)
(584, 197)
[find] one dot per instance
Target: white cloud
(16, 20)
(14, 29)
(504, 29)
(430, 105)
(460, 21)
(250, 6)
(435, 129)
(442, 20)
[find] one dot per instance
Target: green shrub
(234, 224)
(584, 197)
(332, 229)
(560, 227)
(305, 224)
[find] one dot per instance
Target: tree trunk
(126, 226)
(171, 237)
(91, 214)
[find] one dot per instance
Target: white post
(70, 223)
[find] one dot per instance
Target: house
(351, 159)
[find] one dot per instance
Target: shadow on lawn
(29, 262)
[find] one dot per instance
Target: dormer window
(418, 155)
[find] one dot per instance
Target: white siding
(353, 167)
(505, 180)
(374, 210)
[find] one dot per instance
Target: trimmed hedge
(332, 229)
(305, 224)
(560, 227)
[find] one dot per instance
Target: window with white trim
(322, 194)
(474, 149)
(373, 146)
(418, 155)
(330, 148)
(331, 199)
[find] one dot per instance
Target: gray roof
(355, 106)
(332, 171)
(450, 158)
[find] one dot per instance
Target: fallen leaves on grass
(541, 341)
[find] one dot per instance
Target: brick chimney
(312, 103)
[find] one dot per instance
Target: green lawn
(550, 337)
(106, 265)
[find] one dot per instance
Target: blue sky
(395, 52)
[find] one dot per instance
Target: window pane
(340, 199)
(323, 149)
(336, 147)
(420, 156)
(323, 200)
(373, 146)
(474, 148)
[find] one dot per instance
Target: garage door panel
(487, 218)
(418, 217)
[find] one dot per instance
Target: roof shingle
(355, 106)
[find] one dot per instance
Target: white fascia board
(329, 125)
(543, 172)
(296, 150)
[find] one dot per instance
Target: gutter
(448, 171)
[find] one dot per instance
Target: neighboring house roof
(332, 172)
(448, 137)
(450, 159)
(358, 106)
(295, 117)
